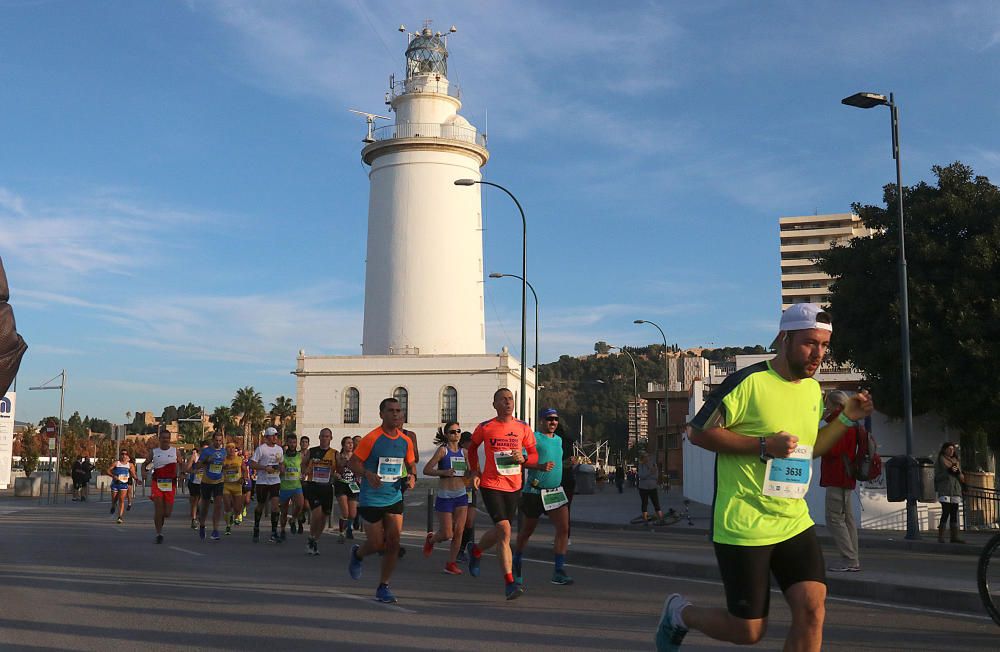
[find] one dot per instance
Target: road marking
(190, 552)
(351, 596)
(858, 601)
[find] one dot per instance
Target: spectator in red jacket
(840, 484)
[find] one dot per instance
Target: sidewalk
(914, 573)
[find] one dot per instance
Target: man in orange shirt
(499, 483)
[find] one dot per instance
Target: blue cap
(548, 412)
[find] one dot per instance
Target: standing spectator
(620, 477)
(76, 473)
(88, 472)
(948, 481)
(648, 474)
(840, 484)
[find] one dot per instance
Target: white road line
(351, 596)
(858, 601)
(190, 552)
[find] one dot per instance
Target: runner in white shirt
(162, 463)
(266, 461)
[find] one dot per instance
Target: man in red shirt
(839, 489)
(499, 483)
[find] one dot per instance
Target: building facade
(802, 240)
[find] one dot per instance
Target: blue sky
(183, 204)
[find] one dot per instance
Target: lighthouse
(424, 269)
(424, 334)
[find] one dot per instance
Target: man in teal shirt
(543, 494)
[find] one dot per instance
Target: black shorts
(531, 505)
(319, 496)
(79, 484)
(266, 492)
(342, 489)
(209, 491)
(500, 505)
(194, 489)
(375, 514)
(746, 571)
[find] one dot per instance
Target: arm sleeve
(531, 446)
(411, 457)
(477, 439)
(364, 448)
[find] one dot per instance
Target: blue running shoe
(513, 590)
(462, 557)
(559, 576)
(215, 535)
(201, 532)
(383, 594)
(669, 634)
(473, 561)
(354, 566)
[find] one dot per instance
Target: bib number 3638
(789, 477)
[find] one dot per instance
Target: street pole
(524, 276)
(666, 396)
(535, 295)
(55, 464)
(635, 389)
(867, 101)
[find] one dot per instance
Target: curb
(953, 600)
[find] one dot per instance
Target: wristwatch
(764, 455)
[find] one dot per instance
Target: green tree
(191, 432)
(222, 419)
(107, 453)
(953, 263)
(30, 449)
(169, 414)
(282, 411)
(68, 449)
(100, 426)
(248, 408)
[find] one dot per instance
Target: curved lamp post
(635, 388)
(534, 294)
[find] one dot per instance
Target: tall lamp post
(524, 274)
(62, 395)
(535, 295)
(868, 101)
(635, 388)
(666, 387)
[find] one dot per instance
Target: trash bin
(896, 471)
(925, 486)
(586, 479)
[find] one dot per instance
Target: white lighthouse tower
(424, 272)
(424, 340)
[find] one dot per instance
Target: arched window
(449, 404)
(352, 405)
(401, 395)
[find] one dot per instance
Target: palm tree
(282, 411)
(248, 407)
(222, 419)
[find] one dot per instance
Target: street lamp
(666, 388)
(534, 294)
(524, 273)
(635, 388)
(868, 101)
(62, 395)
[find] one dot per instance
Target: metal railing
(430, 130)
(982, 508)
(428, 85)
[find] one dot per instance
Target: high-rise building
(424, 340)
(802, 240)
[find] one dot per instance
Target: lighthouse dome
(427, 55)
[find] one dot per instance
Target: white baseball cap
(799, 317)
(270, 431)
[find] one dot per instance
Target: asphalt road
(73, 580)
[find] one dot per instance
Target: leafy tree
(248, 407)
(953, 264)
(282, 411)
(68, 448)
(222, 419)
(30, 449)
(100, 426)
(191, 432)
(107, 453)
(169, 414)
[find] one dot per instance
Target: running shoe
(669, 634)
(559, 576)
(383, 594)
(229, 530)
(274, 538)
(350, 533)
(112, 510)
(354, 565)
(452, 569)
(428, 544)
(119, 520)
(238, 520)
(401, 553)
(513, 590)
(194, 524)
(159, 538)
(256, 534)
(844, 568)
(312, 547)
(128, 507)
(201, 532)
(462, 557)
(516, 567)
(473, 561)
(215, 535)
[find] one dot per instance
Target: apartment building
(802, 240)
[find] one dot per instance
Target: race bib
(353, 486)
(789, 477)
(506, 464)
(232, 475)
(292, 474)
(321, 474)
(215, 469)
(199, 475)
(165, 485)
(390, 469)
(459, 466)
(553, 498)
(123, 478)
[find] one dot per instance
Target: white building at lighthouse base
(343, 392)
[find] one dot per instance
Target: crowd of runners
(298, 486)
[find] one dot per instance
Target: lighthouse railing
(430, 130)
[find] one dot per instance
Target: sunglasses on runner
(454, 432)
(551, 418)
